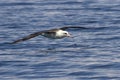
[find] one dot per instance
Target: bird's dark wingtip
(9, 43)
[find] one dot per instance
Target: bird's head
(62, 33)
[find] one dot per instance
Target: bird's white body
(57, 35)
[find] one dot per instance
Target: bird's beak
(69, 35)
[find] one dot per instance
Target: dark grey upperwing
(88, 28)
(27, 37)
(64, 28)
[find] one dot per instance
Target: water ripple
(92, 53)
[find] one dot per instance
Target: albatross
(56, 33)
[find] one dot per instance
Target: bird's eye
(65, 33)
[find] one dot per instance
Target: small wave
(81, 73)
(14, 4)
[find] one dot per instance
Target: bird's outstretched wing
(85, 28)
(27, 37)
(70, 27)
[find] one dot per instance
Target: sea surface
(91, 54)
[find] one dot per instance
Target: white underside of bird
(58, 35)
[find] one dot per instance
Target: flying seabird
(56, 33)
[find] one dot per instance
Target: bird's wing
(70, 27)
(78, 27)
(27, 37)
(34, 35)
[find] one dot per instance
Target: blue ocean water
(91, 55)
